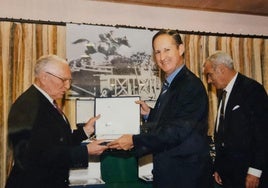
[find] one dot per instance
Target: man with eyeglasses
(62, 79)
(44, 146)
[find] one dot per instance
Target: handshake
(97, 147)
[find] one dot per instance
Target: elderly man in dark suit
(176, 128)
(241, 126)
(44, 146)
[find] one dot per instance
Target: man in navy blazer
(176, 130)
(44, 146)
(241, 141)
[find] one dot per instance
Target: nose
(67, 84)
(162, 56)
(209, 80)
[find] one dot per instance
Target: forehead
(60, 68)
(164, 39)
(208, 65)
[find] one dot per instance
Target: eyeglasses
(62, 79)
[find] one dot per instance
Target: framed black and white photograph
(109, 61)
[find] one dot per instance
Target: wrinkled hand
(252, 181)
(217, 178)
(89, 127)
(94, 148)
(145, 109)
(124, 142)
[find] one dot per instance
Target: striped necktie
(164, 87)
(162, 94)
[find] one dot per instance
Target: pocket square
(236, 107)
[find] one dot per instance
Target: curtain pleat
(257, 47)
(22, 43)
(264, 64)
(61, 40)
(28, 57)
(247, 56)
(5, 46)
(235, 52)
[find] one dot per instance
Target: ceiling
(254, 7)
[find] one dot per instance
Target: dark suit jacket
(43, 144)
(245, 130)
(176, 134)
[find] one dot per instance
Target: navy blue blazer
(43, 144)
(176, 133)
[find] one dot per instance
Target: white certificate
(119, 115)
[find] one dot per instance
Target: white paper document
(119, 115)
(85, 176)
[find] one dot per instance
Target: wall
(95, 12)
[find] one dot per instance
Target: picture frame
(108, 61)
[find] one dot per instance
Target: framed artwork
(109, 61)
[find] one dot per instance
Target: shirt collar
(44, 93)
(172, 76)
(230, 85)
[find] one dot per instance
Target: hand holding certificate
(124, 142)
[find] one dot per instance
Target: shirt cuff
(145, 117)
(254, 172)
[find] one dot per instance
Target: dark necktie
(164, 87)
(162, 94)
(221, 120)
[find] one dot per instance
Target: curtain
(22, 43)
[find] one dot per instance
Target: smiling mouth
(164, 63)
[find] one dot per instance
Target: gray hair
(45, 61)
(220, 57)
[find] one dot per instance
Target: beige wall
(88, 11)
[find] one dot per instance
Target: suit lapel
(168, 95)
(234, 98)
(52, 110)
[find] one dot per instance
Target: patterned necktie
(164, 87)
(162, 94)
(221, 120)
